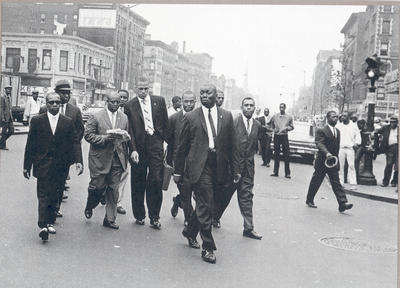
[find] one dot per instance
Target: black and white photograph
(199, 145)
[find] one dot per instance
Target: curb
(372, 197)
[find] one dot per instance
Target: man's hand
(237, 178)
(328, 155)
(79, 168)
(177, 178)
(110, 137)
(27, 174)
(135, 157)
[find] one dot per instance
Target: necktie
(334, 133)
(248, 127)
(210, 119)
(62, 109)
(113, 120)
(147, 121)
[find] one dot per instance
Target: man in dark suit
(390, 147)
(6, 120)
(327, 140)
(204, 155)
(63, 89)
(183, 199)
(148, 123)
(266, 138)
(51, 148)
(108, 157)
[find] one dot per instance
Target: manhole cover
(279, 196)
(351, 244)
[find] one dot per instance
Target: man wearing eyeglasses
(148, 122)
(63, 89)
(51, 148)
(107, 133)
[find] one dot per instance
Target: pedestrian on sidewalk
(6, 120)
(32, 107)
(281, 123)
(266, 137)
(350, 141)
(327, 140)
(362, 127)
(52, 146)
(107, 133)
(390, 147)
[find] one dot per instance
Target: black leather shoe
(208, 256)
(3, 148)
(103, 200)
(345, 206)
(311, 204)
(58, 214)
(288, 176)
(174, 209)
(267, 165)
(191, 241)
(384, 184)
(155, 224)
(139, 221)
(109, 224)
(251, 234)
(44, 234)
(393, 184)
(216, 223)
(88, 213)
(274, 175)
(121, 210)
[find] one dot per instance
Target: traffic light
(374, 70)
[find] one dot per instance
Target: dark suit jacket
(136, 123)
(385, 131)
(101, 152)
(246, 145)
(193, 146)
(172, 138)
(326, 143)
(5, 109)
(75, 114)
(45, 151)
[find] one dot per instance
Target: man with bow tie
(51, 148)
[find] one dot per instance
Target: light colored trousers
(347, 153)
(121, 187)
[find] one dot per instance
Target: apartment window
(63, 61)
(75, 61)
(90, 66)
(32, 60)
(42, 18)
(386, 27)
(79, 62)
(384, 49)
(84, 65)
(46, 62)
(387, 8)
(11, 54)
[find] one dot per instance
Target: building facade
(42, 60)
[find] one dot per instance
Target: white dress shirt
(245, 123)
(32, 108)
(393, 136)
(214, 116)
(333, 130)
(349, 134)
(113, 117)
(53, 119)
(147, 105)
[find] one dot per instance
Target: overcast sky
(277, 44)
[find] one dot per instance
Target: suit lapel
(219, 115)
(328, 131)
(47, 125)
(58, 126)
(153, 108)
(107, 118)
(136, 106)
(202, 119)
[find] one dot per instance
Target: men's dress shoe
(58, 214)
(251, 234)
(174, 209)
(393, 184)
(274, 175)
(51, 229)
(208, 256)
(139, 221)
(267, 165)
(216, 223)
(191, 241)
(311, 204)
(345, 206)
(384, 184)
(88, 213)
(109, 224)
(103, 201)
(155, 224)
(288, 176)
(121, 210)
(3, 148)
(44, 234)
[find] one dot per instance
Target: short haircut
(123, 90)
(220, 91)
(329, 113)
(143, 79)
(188, 92)
(248, 98)
(175, 99)
(52, 94)
(282, 104)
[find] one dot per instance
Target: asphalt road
(85, 254)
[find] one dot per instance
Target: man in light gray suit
(107, 133)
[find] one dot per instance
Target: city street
(291, 254)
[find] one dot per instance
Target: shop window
(46, 62)
(63, 61)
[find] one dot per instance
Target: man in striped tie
(148, 121)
